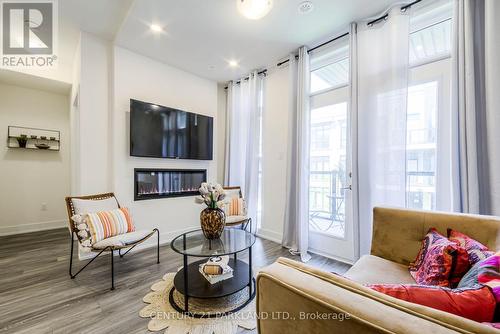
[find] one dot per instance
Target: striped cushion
(105, 224)
(235, 207)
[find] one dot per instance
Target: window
(430, 32)
(428, 95)
(330, 67)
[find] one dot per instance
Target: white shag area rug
(165, 317)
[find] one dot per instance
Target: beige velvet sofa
(295, 298)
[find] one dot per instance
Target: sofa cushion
(370, 269)
(475, 250)
(439, 262)
(106, 224)
(489, 273)
(122, 239)
(477, 303)
(470, 278)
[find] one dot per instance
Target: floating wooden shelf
(34, 137)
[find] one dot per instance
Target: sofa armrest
(295, 298)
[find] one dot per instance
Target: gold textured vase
(212, 222)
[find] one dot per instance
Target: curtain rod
(386, 15)
(308, 51)
(316, 47)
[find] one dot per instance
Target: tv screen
(163, 132)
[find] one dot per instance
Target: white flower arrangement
(212, 194)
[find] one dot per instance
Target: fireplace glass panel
(159, 183)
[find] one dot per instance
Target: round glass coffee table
(191, 283)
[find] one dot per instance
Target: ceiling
(201, 36)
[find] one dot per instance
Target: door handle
(349, 187)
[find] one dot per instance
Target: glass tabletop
(194, 243)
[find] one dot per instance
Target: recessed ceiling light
(254, 9)
(306, 7)
(156, 28)
(233, 63)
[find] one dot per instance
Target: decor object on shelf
(22, 140)
(213, 218)
(33, 138)
(79, 209)
(216, 269)
(42, 146)
(254, 9)
(163, 317)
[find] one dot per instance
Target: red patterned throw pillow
(439, 262)
(476, 303)
(475, 250)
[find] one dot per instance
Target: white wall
(221, 131)
(139, 77)
(275, 141)
(91, 161)
(30, 178)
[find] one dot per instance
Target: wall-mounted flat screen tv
(162, 132)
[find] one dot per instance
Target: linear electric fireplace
(161, 183)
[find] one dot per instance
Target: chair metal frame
(110, 249)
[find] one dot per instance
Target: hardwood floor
(38, 296)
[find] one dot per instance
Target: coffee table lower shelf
(199, 287)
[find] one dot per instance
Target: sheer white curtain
(382, 85)
(296, 226)
(475, 84)
(244, 108)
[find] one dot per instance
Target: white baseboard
(165, 238)
(269, 235)
(33, 227)
(330, 256)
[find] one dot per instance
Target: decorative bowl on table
(42, 146)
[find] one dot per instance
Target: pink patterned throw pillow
(475, 250)
(437, 262)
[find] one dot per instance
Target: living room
(249, 166)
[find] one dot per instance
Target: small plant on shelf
(22, 140)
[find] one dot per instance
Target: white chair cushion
(122, 239)
(235, 219)
(83, 206)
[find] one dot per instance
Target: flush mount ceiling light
(233, 63)
(254, 9)
(155, 28)
(306, 7)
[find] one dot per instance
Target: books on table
(217, 270)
